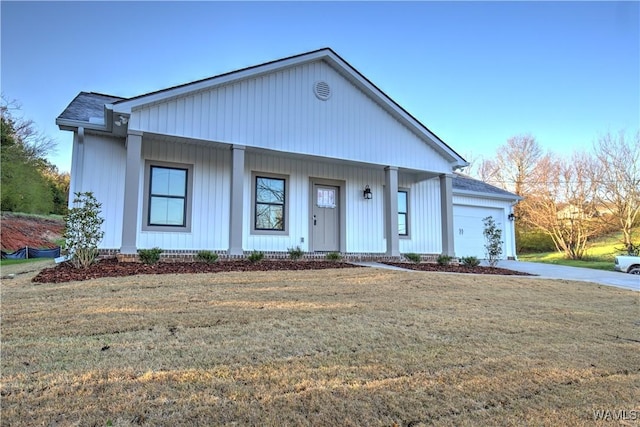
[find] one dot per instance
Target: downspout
(79, 167)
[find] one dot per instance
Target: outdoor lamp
(367, 193)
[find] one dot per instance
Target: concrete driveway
(551, 271)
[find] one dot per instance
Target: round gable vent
(322, 90)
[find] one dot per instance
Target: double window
(270, 203)
(168, 192)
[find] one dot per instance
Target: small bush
(83, 231)
(333, 256)
(295, 253)
(444, 259)
(493, 241)
(470, 261)
(413, 257)
(206, 256)
(149, 256)
(256, 256)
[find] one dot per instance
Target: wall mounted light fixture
(123, 120)
(367, 193)
(511, 217)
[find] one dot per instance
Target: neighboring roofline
(125, 106)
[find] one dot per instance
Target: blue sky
(475, 73)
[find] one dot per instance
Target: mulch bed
(457, 269)
(110, 267)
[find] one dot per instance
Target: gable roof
(127, 105)
(465, 185)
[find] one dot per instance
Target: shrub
(256, 256)
(413, 257)
(333, 256)
(296, 253)
(493, 242)
(206, 256)
(149, 256)
(444, 259)
(470, 261)
(82, 230)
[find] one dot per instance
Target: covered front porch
(224, 175)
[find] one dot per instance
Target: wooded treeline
(569, 200)
(29, 183)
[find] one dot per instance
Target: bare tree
(515, 164)
(35, 144)
(619, 171)
(564, 203)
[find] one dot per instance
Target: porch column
(237, 198)
(131, 193)
(391, 210)
(446, 210)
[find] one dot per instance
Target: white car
(627, 264)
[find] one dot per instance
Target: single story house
(302, 151)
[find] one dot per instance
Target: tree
(25, 184)
(514, 167)
(564, 204)
(619, 172)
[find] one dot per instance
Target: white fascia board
(125, 107)
(484, 195)
(68, 124)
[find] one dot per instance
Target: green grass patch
(598, 263)
(20, 261)
(600, 255)
(53, 217)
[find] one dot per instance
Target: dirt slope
(18, 231)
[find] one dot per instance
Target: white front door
(325, 218)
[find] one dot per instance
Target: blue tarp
(25, 253)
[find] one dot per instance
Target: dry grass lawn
(355, 347)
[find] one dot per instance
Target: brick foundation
(184, 256)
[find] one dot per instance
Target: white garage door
(468, 229)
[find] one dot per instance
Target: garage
(468, 229)
(474, 200)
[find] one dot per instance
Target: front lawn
(600, 255)
(598, 263)
(348, 347)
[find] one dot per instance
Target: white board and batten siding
(279, 111)
(365, 218)
(210, 199)
(211, 193)
(99, 167)
(468, 227)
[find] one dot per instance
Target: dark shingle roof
(88, 105)
(466, 183)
